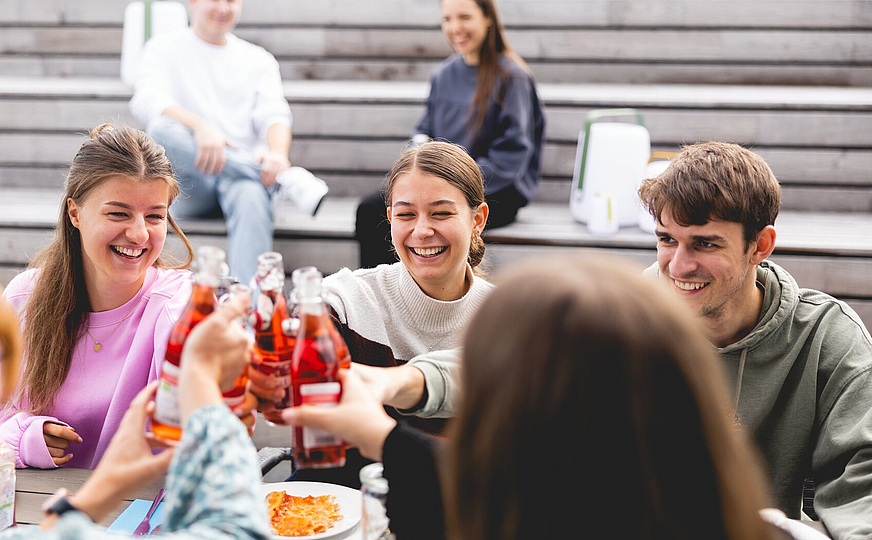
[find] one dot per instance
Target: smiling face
(466, 27)
(710, 266)
(432, 227)
(123, 225)
(212, 19)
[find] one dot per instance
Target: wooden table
(33, 486)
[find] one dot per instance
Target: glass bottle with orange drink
(272, 345)
(315, 374)
(166, 422)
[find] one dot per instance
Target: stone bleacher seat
(792, 81)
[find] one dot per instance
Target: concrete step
(677, 41)
(816, 139)
(832, 14)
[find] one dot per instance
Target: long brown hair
(489, 69)
(451, 163)
(588, 391)
(59, 306)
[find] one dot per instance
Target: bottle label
(320, 395)
(7, 495)
(235, 401)
(166, 402)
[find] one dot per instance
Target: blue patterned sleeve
(211, 488)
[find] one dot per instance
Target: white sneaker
(302, 188)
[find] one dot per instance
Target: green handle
(592, 117)
(147, 19)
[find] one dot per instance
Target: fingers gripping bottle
(315, 375)
(273, 347)
(209, 267)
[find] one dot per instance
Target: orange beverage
(315, 375)
(273, 346)
(166, 422)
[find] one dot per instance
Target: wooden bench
(825, 251)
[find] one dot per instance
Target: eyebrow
(440, 202)
(715, 238)
(127, 206)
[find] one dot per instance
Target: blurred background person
(217, 104)
(591, 404)
(10, 349)
(484, 99)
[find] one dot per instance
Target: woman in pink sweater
(98, 304)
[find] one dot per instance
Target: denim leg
(198, 196)
(247, 209)
(237, 190)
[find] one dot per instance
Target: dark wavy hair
(716, 180)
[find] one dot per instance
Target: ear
(762, 248)
(73, 212)
(389, 213)
(479, 217)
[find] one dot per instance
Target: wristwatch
(58, 503)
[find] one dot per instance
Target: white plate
(350, 503)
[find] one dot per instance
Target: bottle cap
(308, 285)
(372, 478)
(210, 266)
(270, 274)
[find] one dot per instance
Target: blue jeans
(237, 190)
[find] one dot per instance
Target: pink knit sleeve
(23, 433)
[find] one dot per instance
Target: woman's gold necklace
(97, 344)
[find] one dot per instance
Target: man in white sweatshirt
(217, 105)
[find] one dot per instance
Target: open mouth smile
(689, 286)
(428, 252)
(128, 253)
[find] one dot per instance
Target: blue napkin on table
(133, 516)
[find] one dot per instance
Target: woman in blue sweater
(483, 98)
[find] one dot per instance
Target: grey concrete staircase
(792, 80)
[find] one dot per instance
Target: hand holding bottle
(359, 419)
(216, 350)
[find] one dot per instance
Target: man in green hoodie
(798, 360)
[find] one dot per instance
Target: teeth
(688, 286)
(428, 252)
(128, 252)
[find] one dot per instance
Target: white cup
(602, 220)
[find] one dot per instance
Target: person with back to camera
(216, 103)
(403, 322)
(798, 361)
(484, 99)
(213, 478)
(591, 406)
(99, 303)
